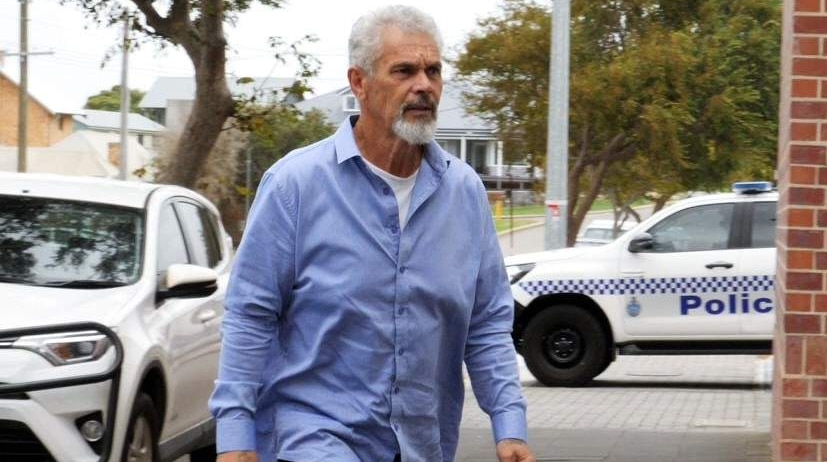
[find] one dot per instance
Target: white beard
(418, 132)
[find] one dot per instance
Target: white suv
(112, 297)
(694, 278)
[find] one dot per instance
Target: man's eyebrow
(415, 64)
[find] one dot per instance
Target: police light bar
(751, 187)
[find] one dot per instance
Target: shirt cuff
(235, 435)
(509, 425)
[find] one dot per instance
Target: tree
(664, 96)
(282, 130)
(110, 100)
(197, 26)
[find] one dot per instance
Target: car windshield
(68, 244)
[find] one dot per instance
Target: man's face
(403, 92)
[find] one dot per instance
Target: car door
(757, 266)
(193, 323)
(680, 286)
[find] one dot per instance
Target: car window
(763, 225)
(200, 233)
(700, 228)
(52, 241)
(171, 246)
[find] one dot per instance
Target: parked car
(599, 232)
(112, 296)
(695, 278)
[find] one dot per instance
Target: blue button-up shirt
(344, 337)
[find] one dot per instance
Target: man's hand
(238, 456)
(511, 450)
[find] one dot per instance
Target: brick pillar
(799, 430)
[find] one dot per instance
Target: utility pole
(23, 90)
(23, 87)
(558, 128)
(123, 169)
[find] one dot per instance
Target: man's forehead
(395, 40)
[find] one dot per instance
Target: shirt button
(400, 311)
(396, 390)
(402, 269)
(396, 427)
(386, 190)
(401, 351)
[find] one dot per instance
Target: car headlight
(516, 272)
(65, 348)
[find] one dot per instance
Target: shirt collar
(345, 142)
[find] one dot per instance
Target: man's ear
(356, 76)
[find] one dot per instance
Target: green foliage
(664, 96)
(282, 129)
(110, 100)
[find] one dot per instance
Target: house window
(350, 104)
(141, 139)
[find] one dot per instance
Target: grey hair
(365, 44)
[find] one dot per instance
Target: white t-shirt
(402, 189)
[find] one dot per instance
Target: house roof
(51, 108)
(452, 118)
(111, 120)
(183, 88)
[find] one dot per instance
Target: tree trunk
(206, 46)
(213, 105)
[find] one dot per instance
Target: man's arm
(260, 282)
(489, 354)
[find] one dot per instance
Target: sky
(64, 79)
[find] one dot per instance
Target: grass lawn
(530, 214)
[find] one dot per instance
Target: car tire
(565, 345)
(141, 443)
(205, 454)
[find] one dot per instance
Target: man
(368, 272)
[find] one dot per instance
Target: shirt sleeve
(259, 287)
(489, 353)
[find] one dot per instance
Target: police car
(694, 278)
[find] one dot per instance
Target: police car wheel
(565, 346)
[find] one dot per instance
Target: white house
(169, 99)
(83, 153)
(145, 131)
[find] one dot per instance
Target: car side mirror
(641, 243)
(188, 281)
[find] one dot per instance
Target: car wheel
(565, 346)
(205, 454)
(141, 444)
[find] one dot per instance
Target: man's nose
(423, 83)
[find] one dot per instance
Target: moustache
(423, 103)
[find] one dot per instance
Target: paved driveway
(645, 409)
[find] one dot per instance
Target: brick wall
(44, 128)
(800, 381)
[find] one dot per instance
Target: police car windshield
(48, 241)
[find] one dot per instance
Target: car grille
(19, 444)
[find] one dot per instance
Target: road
(532, 238)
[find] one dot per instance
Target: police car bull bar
(90, 335)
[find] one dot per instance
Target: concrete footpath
(644, 409)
